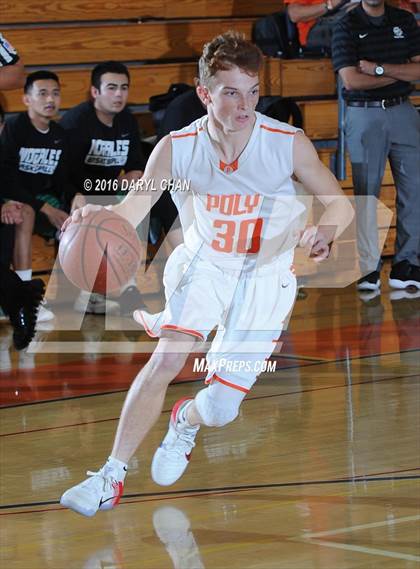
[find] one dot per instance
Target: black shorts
(165, 211)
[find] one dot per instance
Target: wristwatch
(379, 70)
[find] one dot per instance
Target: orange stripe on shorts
(227, 383)
(185, 330)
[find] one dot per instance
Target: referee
(376, 50)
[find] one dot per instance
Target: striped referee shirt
(8, 55)
(393, 38)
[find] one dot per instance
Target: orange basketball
(101, 253)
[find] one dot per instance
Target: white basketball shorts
(247, 309)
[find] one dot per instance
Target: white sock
(119, 468)
(25, 274)
(131, 282)
(182, 416)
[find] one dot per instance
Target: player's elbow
(349, 78)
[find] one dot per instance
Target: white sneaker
(172, 457)
(44, 313)
(95, 303)
(173, 528)
(99, 492)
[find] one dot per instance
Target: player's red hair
(226, 51)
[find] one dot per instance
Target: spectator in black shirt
(104, 135)
(105, 143)
(376, 50)
(35, 168)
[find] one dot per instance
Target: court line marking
(191, 492)
(362, 549)
(362, 526)
(312, 539)
(304, 365)
(256, 398)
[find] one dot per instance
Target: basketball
(101, 253)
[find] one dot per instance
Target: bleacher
(160, 42)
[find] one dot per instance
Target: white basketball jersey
(246, 210)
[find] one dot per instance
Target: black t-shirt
(182, 111)
(33, 162)
(8, 54)
(393, 39)
(101, 152)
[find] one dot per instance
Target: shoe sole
(369, 286)
(403, 294)
(67, 503)
(396, 283)
(96, 310)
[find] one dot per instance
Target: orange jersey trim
(195, 133)
(184, 135)
(227, 383)
(265, 127)
(232, 167)
(185, 330)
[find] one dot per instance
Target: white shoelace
(186, 436)
(108, 481)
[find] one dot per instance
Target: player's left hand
(367, 67)
(316, 243)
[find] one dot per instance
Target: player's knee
(28, 220)
(215, 412)
(28, 212)
(167, 365)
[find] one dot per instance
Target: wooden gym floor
(320, 470)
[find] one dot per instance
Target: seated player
(106, 147)
(20, 300)
(34, 168)
(232, 273)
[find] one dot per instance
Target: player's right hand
(78, 214)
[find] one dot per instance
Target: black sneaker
(404, 274)
(369, 282)
(130, 300)
(23, 316)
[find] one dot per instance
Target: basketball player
(240, 165)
